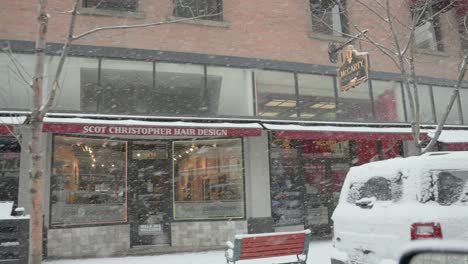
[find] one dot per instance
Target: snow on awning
(451, 136)
(7, 123)
(340, 132)
(149, 128)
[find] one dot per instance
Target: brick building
(179, 136)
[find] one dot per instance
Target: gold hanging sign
(353, 69)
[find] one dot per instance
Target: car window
(452, 187)
(381, 188)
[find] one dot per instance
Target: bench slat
(267, 254)
(272, 239)
(273, 243)
(270, 248)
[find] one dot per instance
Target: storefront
(152, 179)
(10, 157)
(310, 163)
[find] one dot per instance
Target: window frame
(435, 22)
(204, 219)
(122, 7)
(51, 225)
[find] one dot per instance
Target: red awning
(6, 129)
(149, 128)
(341, 133)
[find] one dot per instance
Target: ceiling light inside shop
(102, 165)
(307, 115)
(268, 114)
(281, 103)
(323, 105)
(138, 154)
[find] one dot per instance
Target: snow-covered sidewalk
(319, 253)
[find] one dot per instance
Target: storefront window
(208, 179)
(9, 168)
(316, 97)
(355, 104)
(89, 181)
(388, 101)
(425, 104)
(287, 183)
(276, 95)
(443, 95)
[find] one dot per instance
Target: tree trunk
(36, 228)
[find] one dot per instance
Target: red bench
(267, 245)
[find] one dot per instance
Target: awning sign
(353, 69)
(91, 129)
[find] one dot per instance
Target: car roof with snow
(410, 165)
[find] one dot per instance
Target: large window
(328, 17)
(208, 179)
(316, 97)
(193, 8)
(276, 95)
(427, 34)
(443, 95)
(15, 89)
(464, 104)
(88, 184)
(425, 104)
(9, 168)
(119, 5)
(388, 101)
(355, 104)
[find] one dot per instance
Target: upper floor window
(119, 5)
(427, 34)
(198, 8)
(328, 17)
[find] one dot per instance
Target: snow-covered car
(386, 204)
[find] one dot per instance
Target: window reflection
(388, 101)
(443, 95)
(425, 104)
(355, 104)
(208, 179)
(276, 95)
(316, 97)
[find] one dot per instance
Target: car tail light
(425, 230)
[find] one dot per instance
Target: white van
(386, 204)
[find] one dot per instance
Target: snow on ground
(319, 253)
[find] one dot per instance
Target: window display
(208, 179)
(88, 184)
(9, 168)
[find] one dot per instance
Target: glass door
(149, 192)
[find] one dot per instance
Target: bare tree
(40, 107)
(401, 49)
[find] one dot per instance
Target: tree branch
(66, 47)
(140, 25)
(454, 96)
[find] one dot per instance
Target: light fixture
(187, 151)
(191, 149)
(93, 165)
(138, 154)
(113, 165)
(180, 156)
(94, 159)
(102, 165)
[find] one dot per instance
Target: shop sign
(149, 229)
(150, 130)
(353, 69)
(5, 129)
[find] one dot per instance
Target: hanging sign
(353, 69)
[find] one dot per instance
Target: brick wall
(268, 29)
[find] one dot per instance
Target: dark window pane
(355, 104)
(120, 5)
(195, 8)
(10, 152)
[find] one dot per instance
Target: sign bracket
(333, 47)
